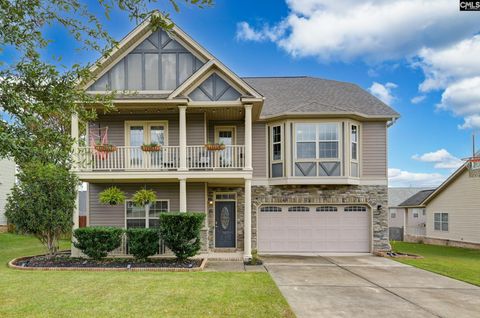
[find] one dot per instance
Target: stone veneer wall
(373, 195)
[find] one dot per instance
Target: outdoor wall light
(379, 207)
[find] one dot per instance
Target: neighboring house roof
(306, 95)
(417, 198)
(400, 194)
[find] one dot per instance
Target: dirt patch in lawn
(397, 255)
(64, 262)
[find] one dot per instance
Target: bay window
(317, 147)
(276, 151)
(354, 151)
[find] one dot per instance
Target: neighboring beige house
(302, 165)
(7, 180)
(415, 214)
(453, 210)
(396, 213)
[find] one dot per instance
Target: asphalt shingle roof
(417, 198)
(308, 94)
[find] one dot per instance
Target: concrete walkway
(369, 286)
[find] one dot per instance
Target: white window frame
(317, 141)
(147, 214)
(146, 129)
(441, 222)
(393, 215)
(357, 146)
(272, 143)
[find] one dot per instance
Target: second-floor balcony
(166, 158)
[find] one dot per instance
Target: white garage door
(313, 228)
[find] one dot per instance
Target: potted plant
(144, 197)
(214, 147)
(151, 147)
(105, 147)
(112, 196)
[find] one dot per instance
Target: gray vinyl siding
(195, 129)
(374, 149)
(195, 197)
(103, 215)
(259, 150)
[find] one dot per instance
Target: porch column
(183, 195)
(183, 138)
(74, 134)
(248, 137)
(76, 216)
(247, 250)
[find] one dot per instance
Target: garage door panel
(314, 231)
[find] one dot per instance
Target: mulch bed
(65, 262)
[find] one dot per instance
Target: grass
(130, 294)
(459, 263)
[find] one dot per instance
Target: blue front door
(224, 224)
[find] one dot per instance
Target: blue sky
(409, 48)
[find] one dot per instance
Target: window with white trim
(440, 222)
(415, 215)
(393, 215)
(317, 148)
(276, 151)
(299, 209)
(271, 209)
(137, 217)
(355, 208)
(354, 151)
(326, 208)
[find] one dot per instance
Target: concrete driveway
(369, 286)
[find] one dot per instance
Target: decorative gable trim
(213, 66)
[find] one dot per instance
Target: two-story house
(280, 164)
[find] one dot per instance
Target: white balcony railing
(128, 158)
(166, 159)
(232, 157)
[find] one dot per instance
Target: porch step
(224, 250)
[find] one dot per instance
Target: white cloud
(442, 159)
(418, 99)
(373, 30)
(383, 92)
(402, 178)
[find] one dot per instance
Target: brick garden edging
(11, 264)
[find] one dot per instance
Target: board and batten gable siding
(374, 149)
(105, 215)
(259, 150)
(7, 181)
(461, 200)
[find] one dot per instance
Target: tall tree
(37, 96)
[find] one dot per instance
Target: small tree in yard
(42, 203)
(181, 233)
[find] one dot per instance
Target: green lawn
(459, 263)
(131, 294)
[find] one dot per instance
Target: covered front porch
(226, 203)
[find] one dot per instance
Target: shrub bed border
(12, 265)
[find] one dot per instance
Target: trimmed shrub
(181, 232)
(143, 243)
(97, 242)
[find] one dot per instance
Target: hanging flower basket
(105, 148)
(214, 147)
(151, 148)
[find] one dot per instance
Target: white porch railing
(167, 159)
(128, 158)
(123, 249)
(232, 157)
